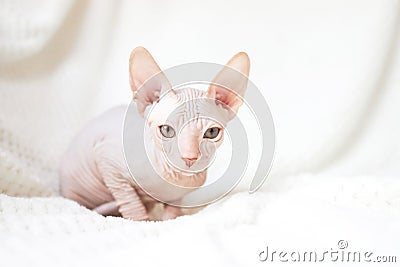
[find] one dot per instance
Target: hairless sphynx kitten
(94, 172)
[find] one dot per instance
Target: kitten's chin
(186, 172)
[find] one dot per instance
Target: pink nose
(190, 161)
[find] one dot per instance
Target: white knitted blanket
(330, 71)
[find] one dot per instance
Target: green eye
(212, 133)
(167, 131)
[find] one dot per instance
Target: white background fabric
(330, 71)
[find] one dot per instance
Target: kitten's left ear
(146, 75)
(231, 81)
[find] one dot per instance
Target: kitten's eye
(212, 133)
(167, 131)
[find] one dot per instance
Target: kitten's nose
(190, 161)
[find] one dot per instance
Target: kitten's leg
(126, 198)
(116, 177)
(128, 201)
(171, 212)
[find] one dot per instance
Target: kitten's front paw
(134, 213)
(171, 212)
(135, 217)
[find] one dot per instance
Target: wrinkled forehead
(188, 106)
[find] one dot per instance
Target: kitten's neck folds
(171, 174)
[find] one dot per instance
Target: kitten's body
(94, 166)
(95, 152)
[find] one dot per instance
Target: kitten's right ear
(142, 67)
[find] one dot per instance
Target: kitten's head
(187, 125)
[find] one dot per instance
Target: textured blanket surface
(330, 71)
(307, 213)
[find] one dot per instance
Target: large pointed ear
(231, 82)
(142, 67)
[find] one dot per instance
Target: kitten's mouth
(182, 167)
(186, 170)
